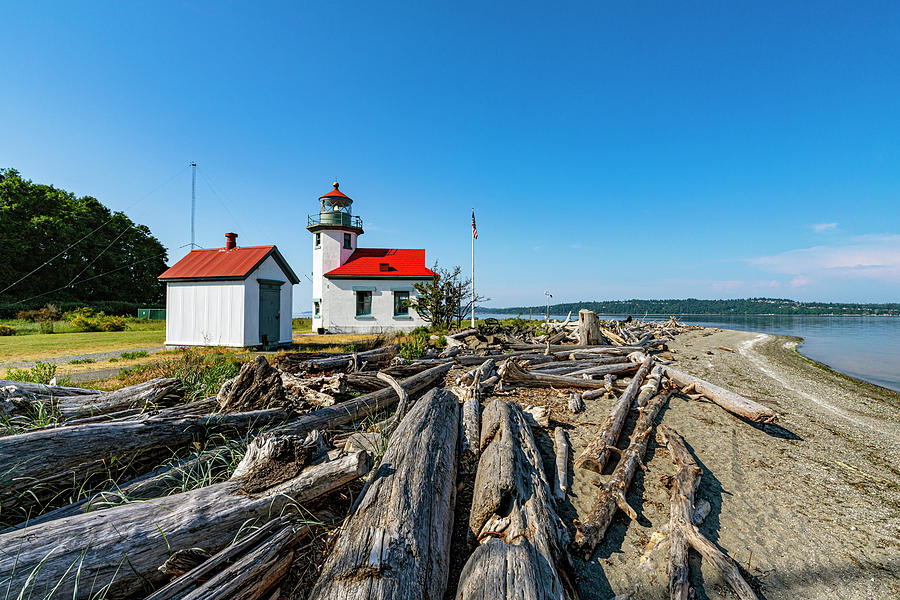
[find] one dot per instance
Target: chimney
(230, 241)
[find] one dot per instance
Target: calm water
(867, 348)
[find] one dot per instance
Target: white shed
(232, 296)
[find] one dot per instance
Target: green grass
(52, 345)
(301, 325)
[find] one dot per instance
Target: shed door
(269, 313)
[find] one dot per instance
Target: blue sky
(611, 149)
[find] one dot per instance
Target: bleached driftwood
(683, 532)
(730, 401)
(588, 327)
(522, 541)
(397, 543)
(594, 456)
(612, 494)
(512, 374)
(120, 548)
(561, 449)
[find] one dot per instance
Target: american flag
(474, 229)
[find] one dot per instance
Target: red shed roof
(219, 263)
(387, 263)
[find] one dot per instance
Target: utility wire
(137, 262)
(108, 246)
(98, 228)
(217, 195)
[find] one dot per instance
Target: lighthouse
(359, 290)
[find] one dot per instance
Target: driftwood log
(257, 386)
(561, 449)
(596, 453)
(147, 395)
(512, 374)
(34, 465)
(612, 495)
(730, 401)
(118, 550)
(588, 328)
(683, 532)
(397, 543)
(522, 540)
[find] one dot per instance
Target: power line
(68, 285)
(98, 228)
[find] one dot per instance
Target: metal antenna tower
(193, 201)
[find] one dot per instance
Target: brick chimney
(230, 241)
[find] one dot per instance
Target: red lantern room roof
(335, 193)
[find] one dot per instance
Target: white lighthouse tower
(335, 231)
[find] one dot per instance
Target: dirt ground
(810, 508)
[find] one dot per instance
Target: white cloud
(823, 227)
(875, 257)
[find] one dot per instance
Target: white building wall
(205, 313)
(329, 255)
(339, 306)
(270, 270)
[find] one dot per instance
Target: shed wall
(205, 313)
(269, 270)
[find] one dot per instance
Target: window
(347, 243)
(318, 240)
(363, 304)
(316, 309)
(401, 304)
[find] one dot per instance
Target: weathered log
(682, 530)
(594, 456)
(255, 573)
(402, 401)
(588, 327)
(650, 387)
(26, 388)
(34, 464)
(178, 587)
(620, 368)
(470, 426)
(343, 361)
(576, 404)
(455, 339)
(483, 371)
(613, 337)
(512, 374)
(257, 386)
(118, 550)
(730, 401)
(561, 448)
(522, 551)
(397, 543)
(272, 458)
(612, 494)
(149, 394)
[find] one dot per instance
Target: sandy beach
(810, 508)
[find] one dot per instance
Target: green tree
(116, 260)
(446, 299)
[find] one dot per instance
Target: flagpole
(473, 270)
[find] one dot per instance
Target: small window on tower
(318, 240)
(316, 309)
(384, 267)
(347, 243)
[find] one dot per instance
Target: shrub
(133, 355)
(85, 319)
(7, 330)
(82, 361)
(39, 315)
(41, 372)
(416, 346)
(46, 326)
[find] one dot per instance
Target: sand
(810, 508)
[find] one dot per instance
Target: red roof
(384, 262)
(219, 263)
(335, 193)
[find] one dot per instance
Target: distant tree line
(693, 306)
(115, 266)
